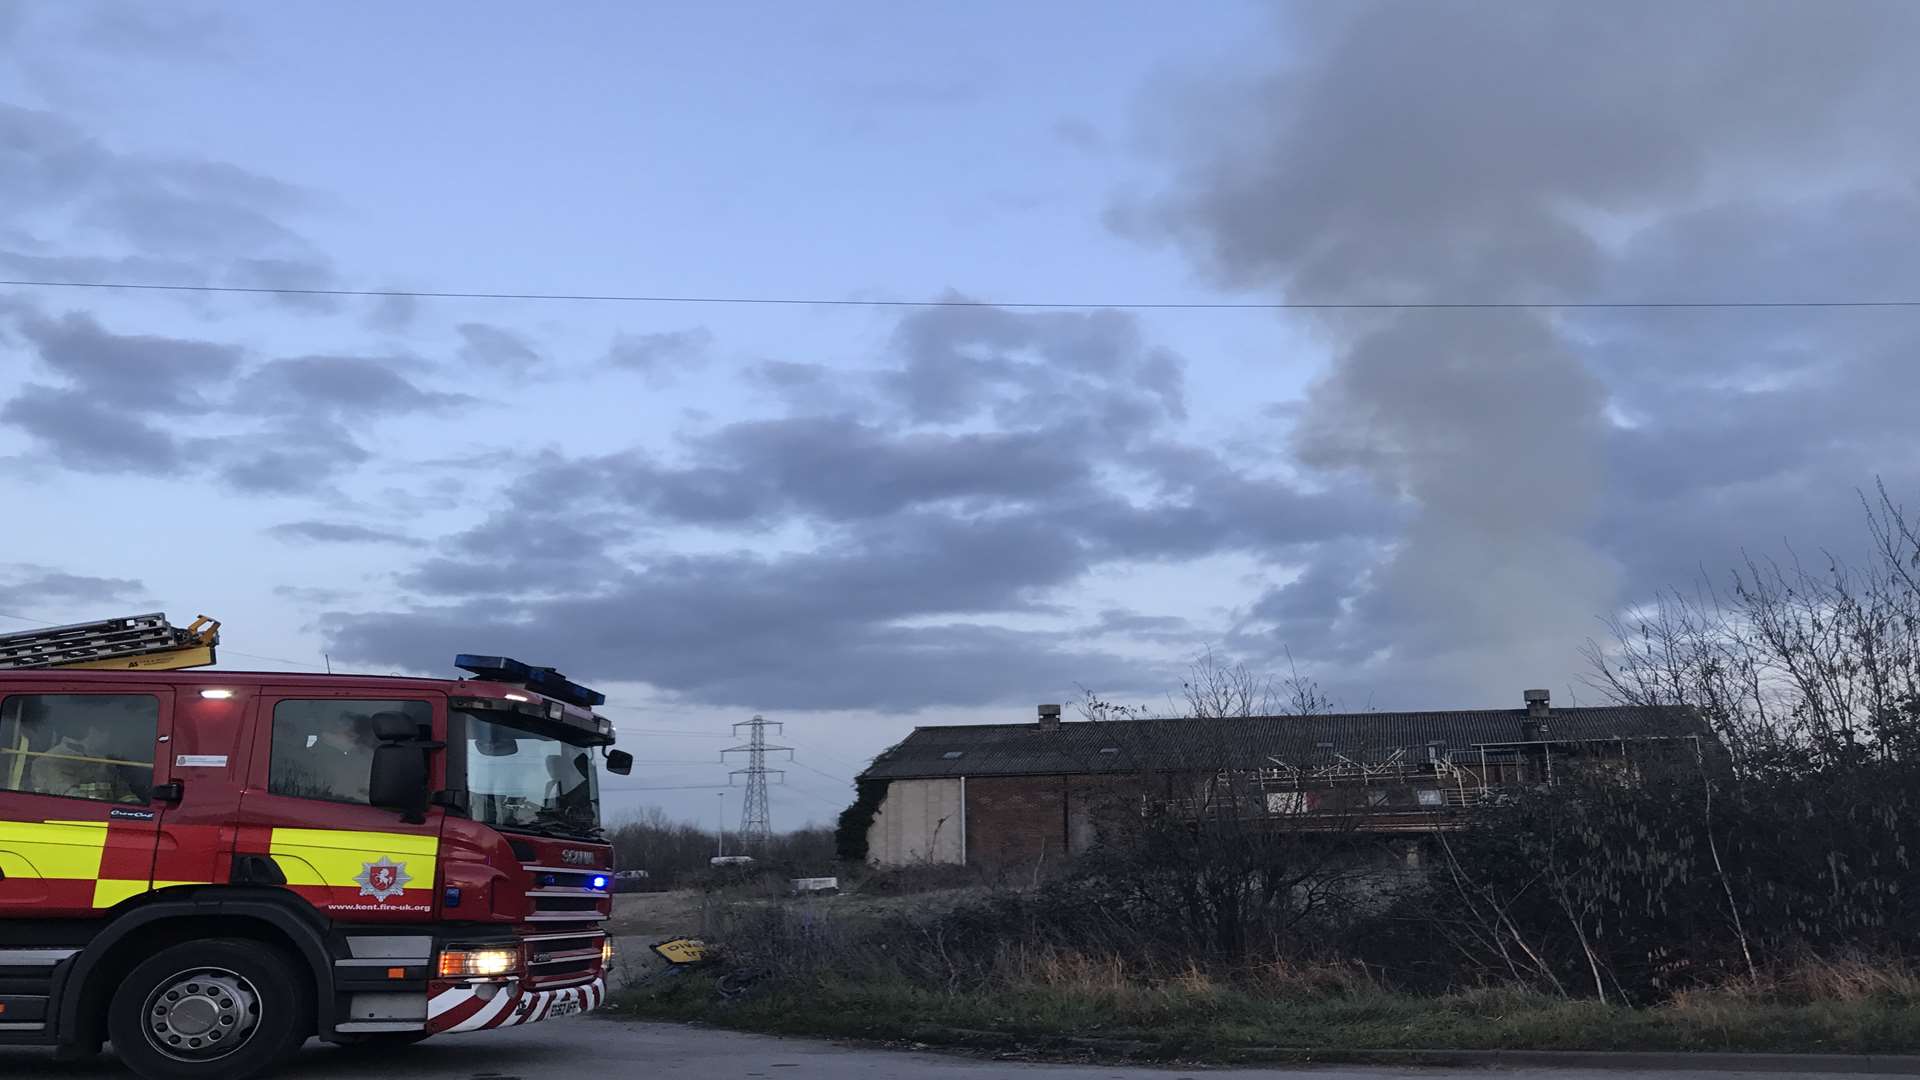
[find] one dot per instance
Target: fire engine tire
(226, 1008)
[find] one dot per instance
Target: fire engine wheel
(224, 1008)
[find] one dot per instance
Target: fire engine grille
(564, 943)
(564, 957)
(566, 895)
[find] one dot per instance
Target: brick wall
(1013, 820)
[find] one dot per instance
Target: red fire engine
(207, 868)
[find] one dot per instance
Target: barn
(1004, 795)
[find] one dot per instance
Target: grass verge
(1209, 1023)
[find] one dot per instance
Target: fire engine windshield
(529, 781)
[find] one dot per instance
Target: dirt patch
(658, 916)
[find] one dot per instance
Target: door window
(80, 746)
(323, 749)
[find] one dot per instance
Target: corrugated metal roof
(1253, 741)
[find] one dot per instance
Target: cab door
(306, 807)
(78, 817)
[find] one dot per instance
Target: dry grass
(1848, 979)
(879, 976)
(1083, 972)
(1194, 1017)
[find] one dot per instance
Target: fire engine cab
(206, 868)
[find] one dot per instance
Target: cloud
(139, 34)
(485, 345)
(807, 631)
(280, 427)
(293, 457)
(1141, 627)
(905, 538)
(341, 386)
(503, 555)
(964, 362)
(70, 267)
(662, 353)
(27, 585)
(293, 274)
(80, 209)
(159, 220)
(338, 532)
(807, 389)
(88, 434)
(153, 374)
(310, 596)
(1079, 134)
(392, 314)
(45, 158)
(840, 469)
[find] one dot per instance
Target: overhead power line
(815, 301)
(835, 803)
(677, 787)
(838, 761)
(817, 772)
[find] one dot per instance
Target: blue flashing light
(453, 896)
(599, 881)
(543, 679)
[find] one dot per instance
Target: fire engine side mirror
(399, 780)
(619, 762)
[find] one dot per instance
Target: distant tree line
(677, 853)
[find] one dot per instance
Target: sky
(858, 517)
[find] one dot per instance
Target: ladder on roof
(131, 643)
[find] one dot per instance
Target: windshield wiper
(531, 827)
(568, 819)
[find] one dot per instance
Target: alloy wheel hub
(202, 1014)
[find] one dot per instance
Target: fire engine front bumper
(477, 1007)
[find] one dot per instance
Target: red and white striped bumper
(460, 1007)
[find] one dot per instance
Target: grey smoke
(1458, 152)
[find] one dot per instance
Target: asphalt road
(600, 1049)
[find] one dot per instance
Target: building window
(1432, 797)
(953, 755)
(82, 746)
(323, 749)
(1376, 797)
(1286, 802)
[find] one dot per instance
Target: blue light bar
(543, 679)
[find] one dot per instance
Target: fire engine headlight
(477, 963)
(606, 953)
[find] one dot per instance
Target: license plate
(566, 1006)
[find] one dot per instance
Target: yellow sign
(682, 950)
